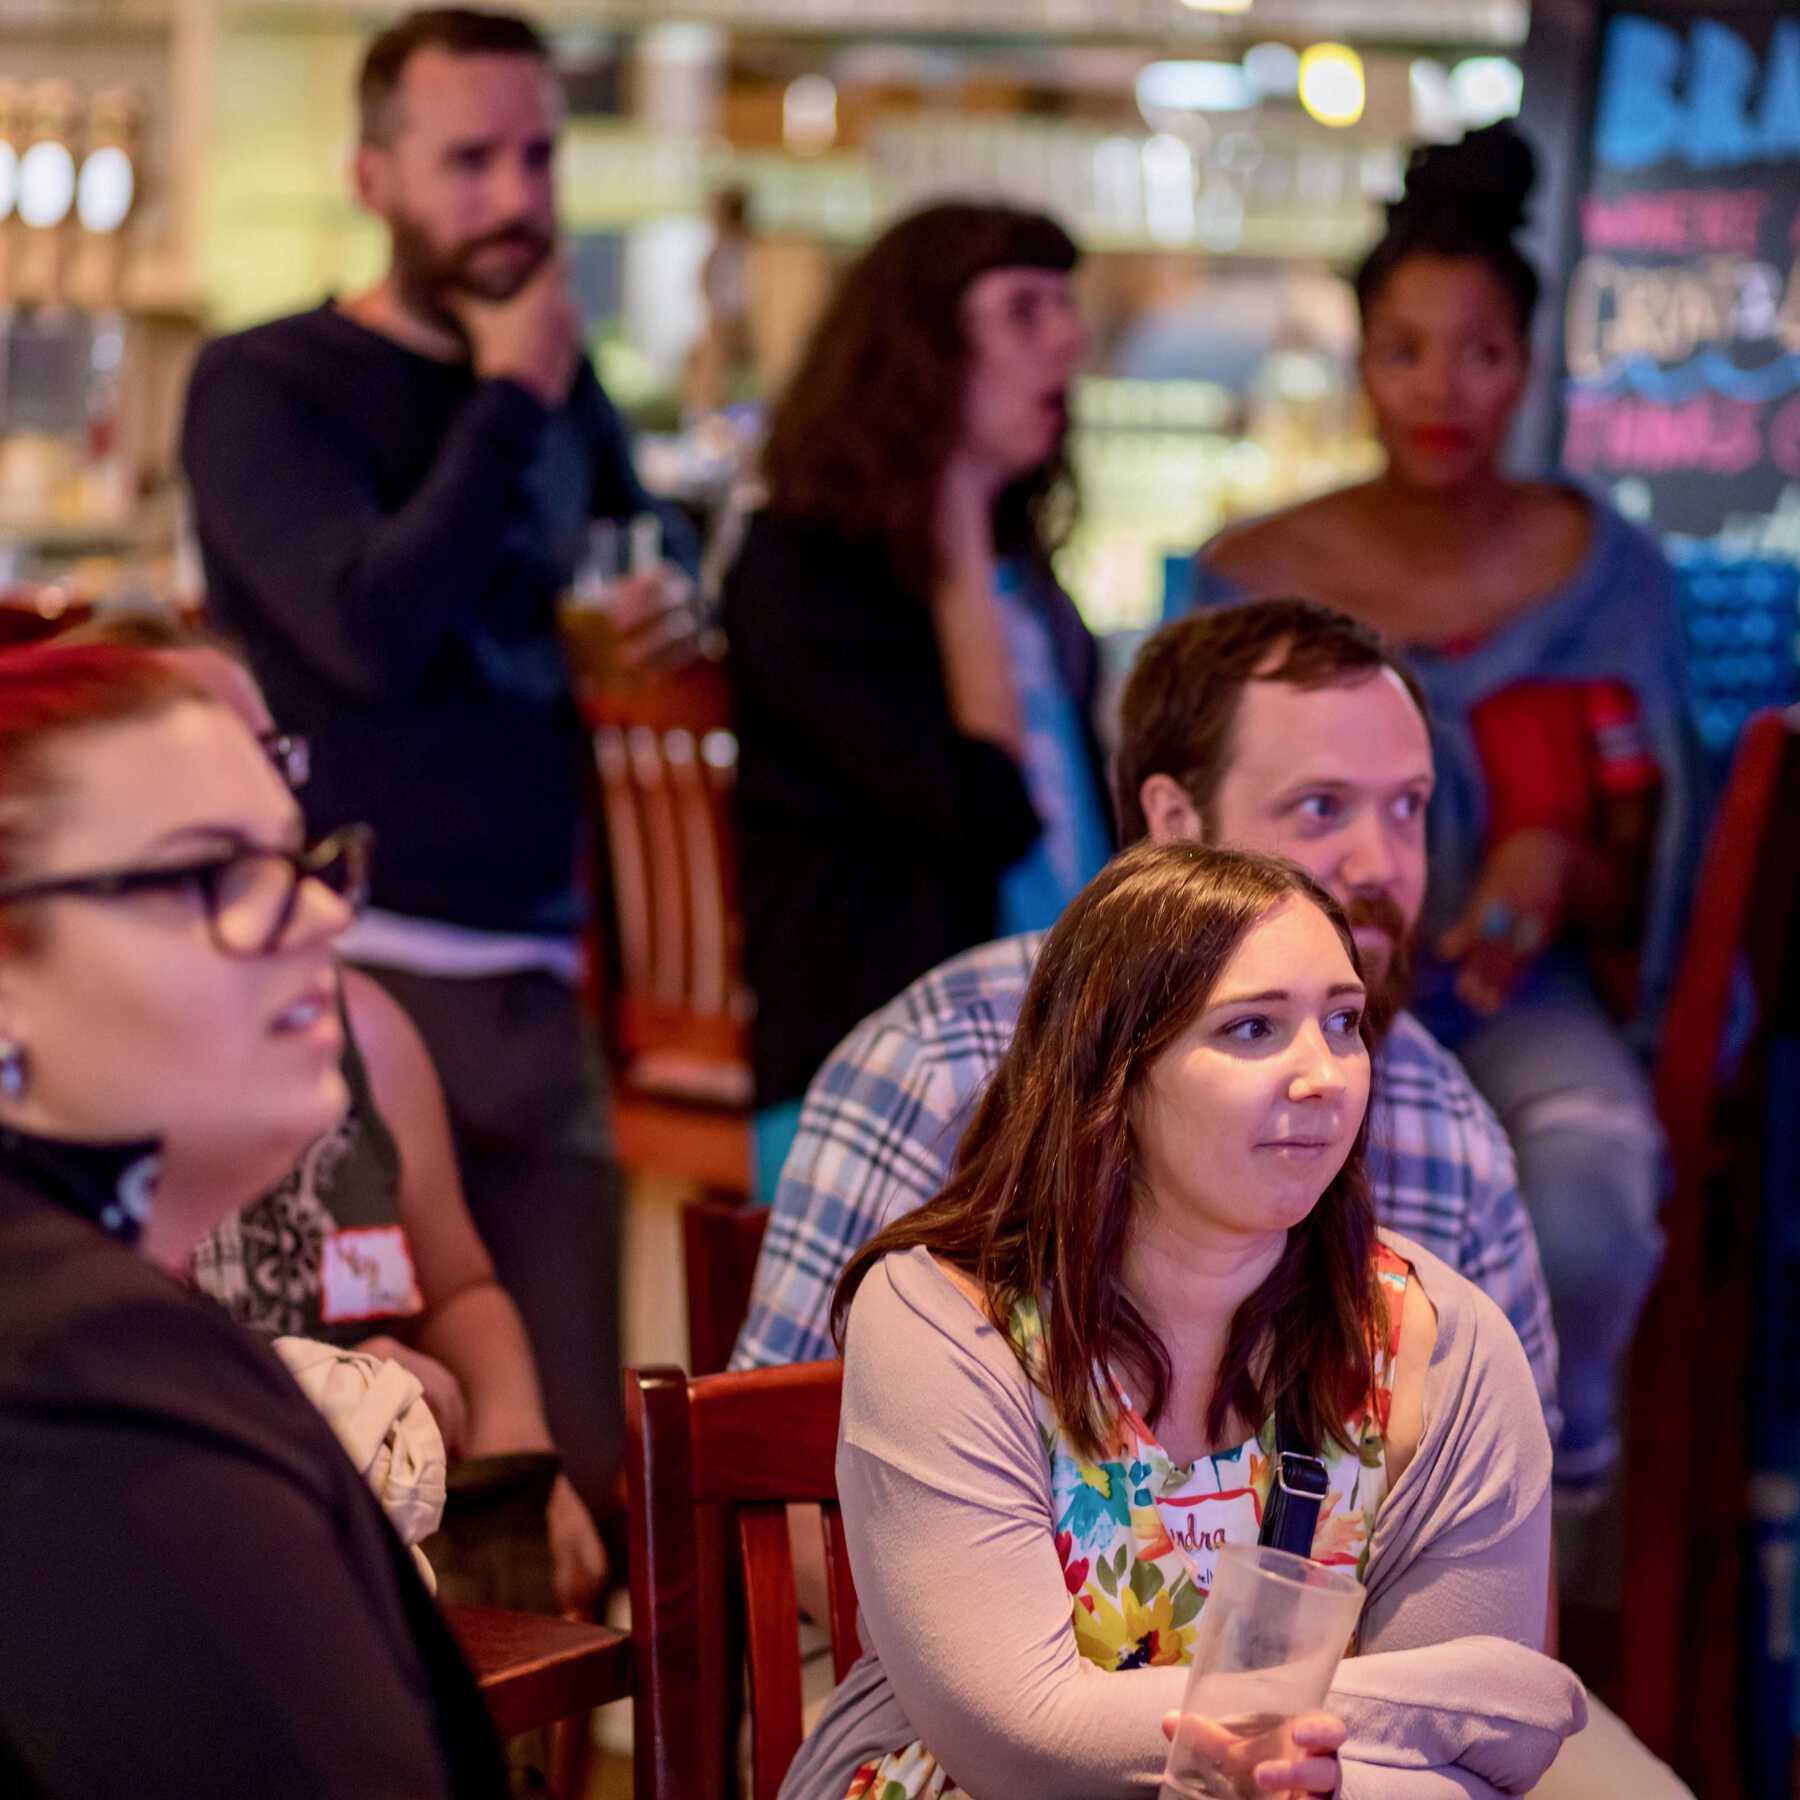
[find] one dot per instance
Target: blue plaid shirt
(881, 1121)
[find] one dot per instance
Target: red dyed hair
(50, 690)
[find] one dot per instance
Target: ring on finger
(1528, 935)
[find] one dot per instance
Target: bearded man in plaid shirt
(1279, 726)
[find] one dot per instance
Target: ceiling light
(1487, 89)
(1168, 189)
(1435, 114)
(1217, 6)
(1193, 87)
(1273, 69)
(1332, 88)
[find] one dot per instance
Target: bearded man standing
(391, 491)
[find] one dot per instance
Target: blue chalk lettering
(1718, 104)
(1638, 117)
(1778, 120)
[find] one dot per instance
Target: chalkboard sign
(1682, 329)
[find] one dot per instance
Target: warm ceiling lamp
(1217, 6)
(1332, 87)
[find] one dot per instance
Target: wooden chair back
(1678, 1623)
(667, 762)
(716, 1461)
(33, 617)
(720, 1242)
(675, 1023)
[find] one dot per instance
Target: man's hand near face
(533, 338)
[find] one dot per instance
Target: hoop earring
(15, 1069)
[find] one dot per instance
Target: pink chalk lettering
(1784, 437)
(1624, 434)
(1678, 222)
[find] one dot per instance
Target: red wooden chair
(1678, 1626)
(29, 616)
(720, 1240)
(712, 1465)
(675, 1024)
(676, 1021)
(535, 1671)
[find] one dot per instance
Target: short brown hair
(1045, 1184)
(458, 30)
(1181, 702)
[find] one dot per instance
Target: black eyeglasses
(250, 895)
(290, 753)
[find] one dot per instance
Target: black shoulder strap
(1296, 1492)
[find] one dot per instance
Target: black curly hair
(1462, 200)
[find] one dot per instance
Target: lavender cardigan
(965, 1616)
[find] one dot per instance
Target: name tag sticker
(368, 1274)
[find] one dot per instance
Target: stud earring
(15, 1069)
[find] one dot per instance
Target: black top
(277, 1266)
(873, 832)
(388, 537)
(201, 1595)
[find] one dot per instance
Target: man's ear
(372, 170)
(1170, 812)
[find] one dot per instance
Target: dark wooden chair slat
(720, 1242)
(738, 1449)
(845, 1646)
(772, 1635)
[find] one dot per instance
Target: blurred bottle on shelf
(12, 146)
(106, 195)
(68, 189)
(44, 198)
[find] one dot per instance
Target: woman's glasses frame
(341, 861)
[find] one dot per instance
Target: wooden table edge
(533, 1669)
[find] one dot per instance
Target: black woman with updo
(1544, 630)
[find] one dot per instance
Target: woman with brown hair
(918, 772)
(1156, 1259)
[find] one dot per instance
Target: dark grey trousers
(527, 1105)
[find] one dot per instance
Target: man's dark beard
(426, 276)
(1390, 994)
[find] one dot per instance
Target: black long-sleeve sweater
(387, 537)
(202, 1596)
(872, 831)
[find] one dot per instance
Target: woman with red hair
(202, 1595)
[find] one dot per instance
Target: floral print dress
(1139, 1535)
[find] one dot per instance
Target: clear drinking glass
(590, 630)
(1269, 1640)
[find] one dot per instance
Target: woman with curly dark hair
(918, 773)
